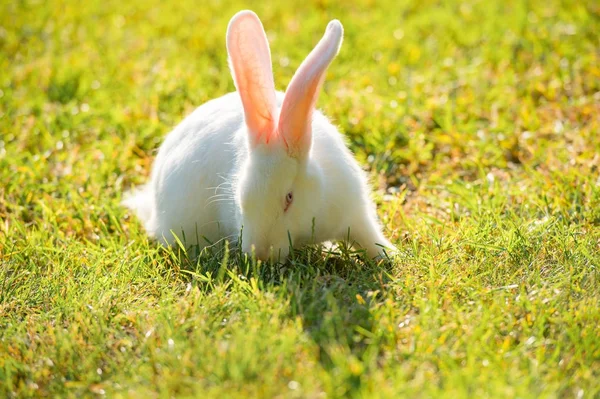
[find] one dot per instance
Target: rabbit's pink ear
(250, 63)
(295, 118)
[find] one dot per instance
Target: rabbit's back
(191, 189)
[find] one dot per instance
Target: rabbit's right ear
(250, 63)
(295, 118)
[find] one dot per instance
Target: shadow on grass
(333, 292)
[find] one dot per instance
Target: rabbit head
(279, 188)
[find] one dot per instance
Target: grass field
(478, 121)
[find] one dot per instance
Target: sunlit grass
(478, 121)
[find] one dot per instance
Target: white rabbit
(260, 162)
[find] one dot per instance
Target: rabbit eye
(289, 198)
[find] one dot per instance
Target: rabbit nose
(261, 253)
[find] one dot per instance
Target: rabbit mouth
(265, 253)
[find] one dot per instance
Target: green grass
(478, 121)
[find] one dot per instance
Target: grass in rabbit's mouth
(479, 122)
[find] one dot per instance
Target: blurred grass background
(477, 120)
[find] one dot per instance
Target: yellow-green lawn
(478, 121)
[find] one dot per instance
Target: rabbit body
(217, 175)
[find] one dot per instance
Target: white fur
(208, 181)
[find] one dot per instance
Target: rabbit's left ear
(295, 118)
(250, 62)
